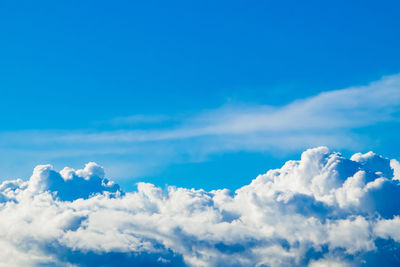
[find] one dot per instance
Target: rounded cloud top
(70, 184)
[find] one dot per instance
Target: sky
(199, 133)
(199, 94)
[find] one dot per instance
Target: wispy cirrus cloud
(329, 118)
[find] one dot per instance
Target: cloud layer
(323, 209)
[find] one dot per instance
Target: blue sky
(195, 94)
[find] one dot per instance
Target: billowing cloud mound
(323, 210)
(69, 184)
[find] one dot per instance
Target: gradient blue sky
(91, 81)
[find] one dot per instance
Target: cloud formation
(322, 209)
(348, 108)
(333, 118)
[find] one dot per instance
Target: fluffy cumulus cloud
(322, 210)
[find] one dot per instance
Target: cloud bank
(322, 210)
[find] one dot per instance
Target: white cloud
(333, 110)
(323, 210)
(389, 228)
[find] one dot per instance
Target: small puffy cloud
(395, 165)
(322, 210)
(69, 184)
(388, 229)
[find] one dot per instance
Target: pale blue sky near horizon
(195, 94)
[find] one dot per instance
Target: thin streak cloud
(329, 118)
(344, 109)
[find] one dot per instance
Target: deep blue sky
(76, 66)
